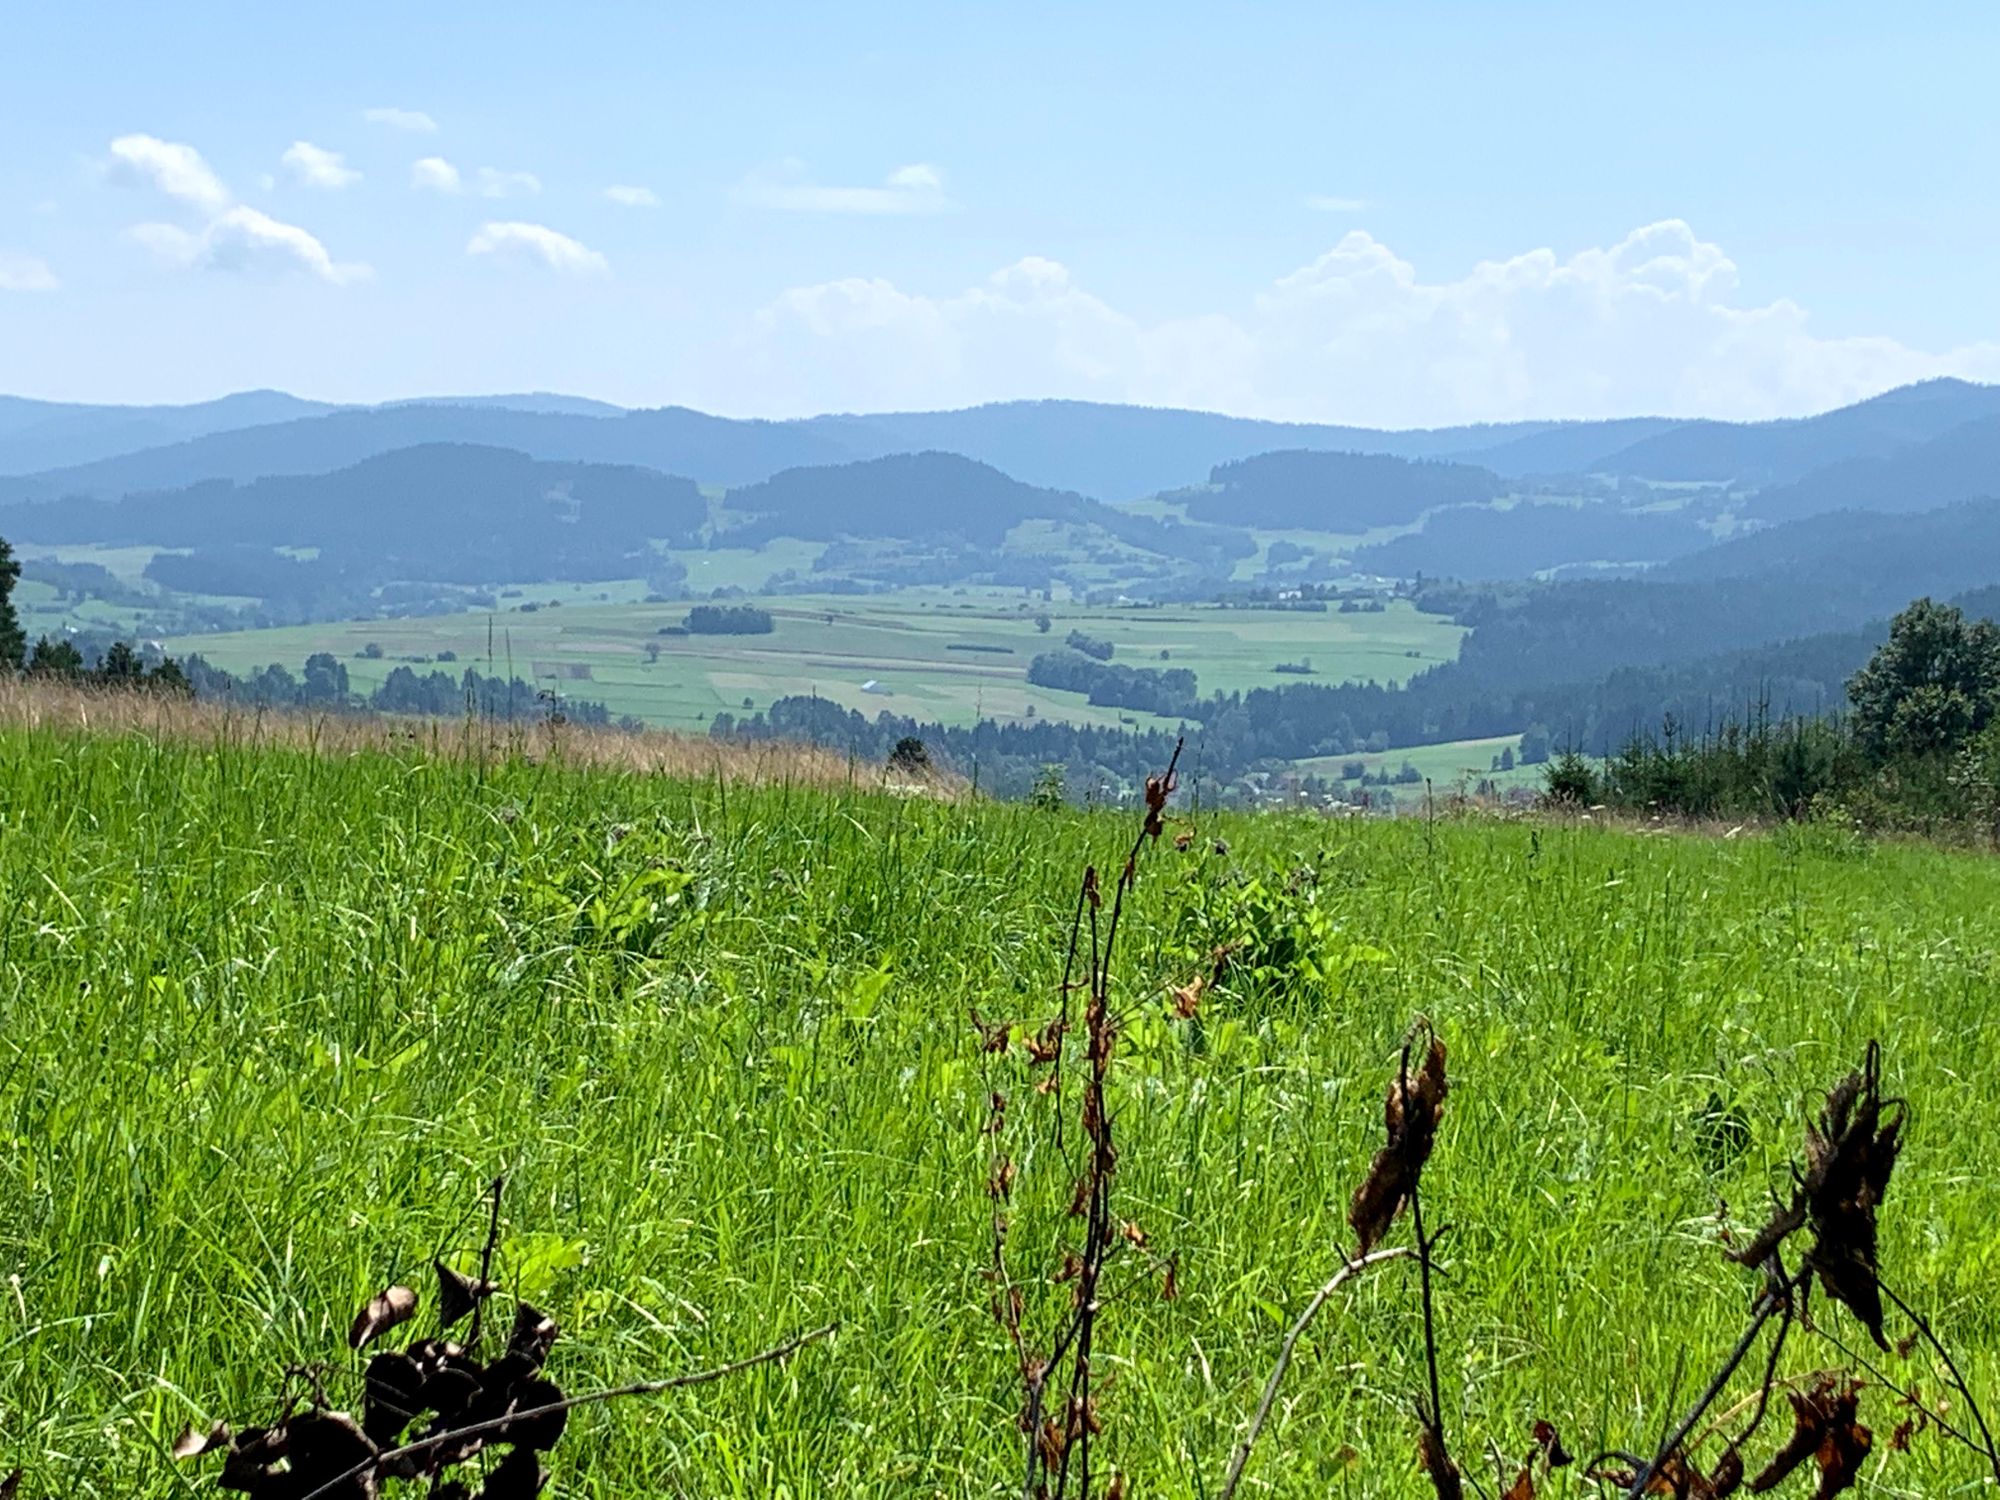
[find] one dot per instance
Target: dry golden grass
(47, 706)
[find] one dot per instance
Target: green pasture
(908, 644)
(269, 1022)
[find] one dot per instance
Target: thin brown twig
(1923, 1326)
(1076, 1342)
(570, 1403)
(486, 1263)
(1767, 1305)
(1348, 1271)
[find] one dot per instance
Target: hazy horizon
(446, 398)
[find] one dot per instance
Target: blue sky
(1404, 215)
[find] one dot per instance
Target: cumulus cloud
(494, 183)
(229, 236)
(914, 189)
(172, 168)
(414, 120)
(435, 174)
(539, 244)
(632, 197)
(1652, 323)
(25, 273)
(1327, 203)
(315, 166)
(246, 239)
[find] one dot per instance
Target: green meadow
(269, 1021)
(936, 655)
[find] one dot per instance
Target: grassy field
(269, 1020)
(905, 643)
(1446, 765)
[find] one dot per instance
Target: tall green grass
(268, 1022)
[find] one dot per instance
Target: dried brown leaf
(1437, 1464)
(1823, 1428)
(1550, 1444)
(193, 1443)
(1850, 1152)
(1728, 1476)
(458, 1295)
(1841, 1454)
(254, 1454)
(1411, 1112)
(385, 1310)
(518, 1476)
(993, 1035)
(538, 1432)
(534, 1334)
(392, 1388)
(326, 1445)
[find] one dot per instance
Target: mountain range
(1109, 452)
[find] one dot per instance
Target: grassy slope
(267, 1021)
(901, 641)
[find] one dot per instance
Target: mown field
(910, 644)
(269, 1021)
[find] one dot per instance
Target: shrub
(729, 619)
(1572, 780)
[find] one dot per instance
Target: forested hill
(449, 511)
(1336, 491)
(713, 450)
(36, 435)
(930, 497)
(1963, 464)
(1871, 561)
(1777, 452)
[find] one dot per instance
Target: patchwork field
(1446, 766)
(911, 645)
(269, 1021)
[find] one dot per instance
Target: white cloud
(632, 197)
(1649, 324)
(537, 242)
(230, 237)
(1326, 203)
(402, 119)
(437, 175)
(914, 189)
(25, 273)
(173, 169)
(494, 183)
(315, 166)
(246, 239)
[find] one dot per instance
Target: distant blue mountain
(1778, 452)
(37, 435)
(1105, 451)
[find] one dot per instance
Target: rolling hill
(671, 440)
(36, 435)
(1339, 492)
(437, 511)
(1778, 452)
(1877, 562)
